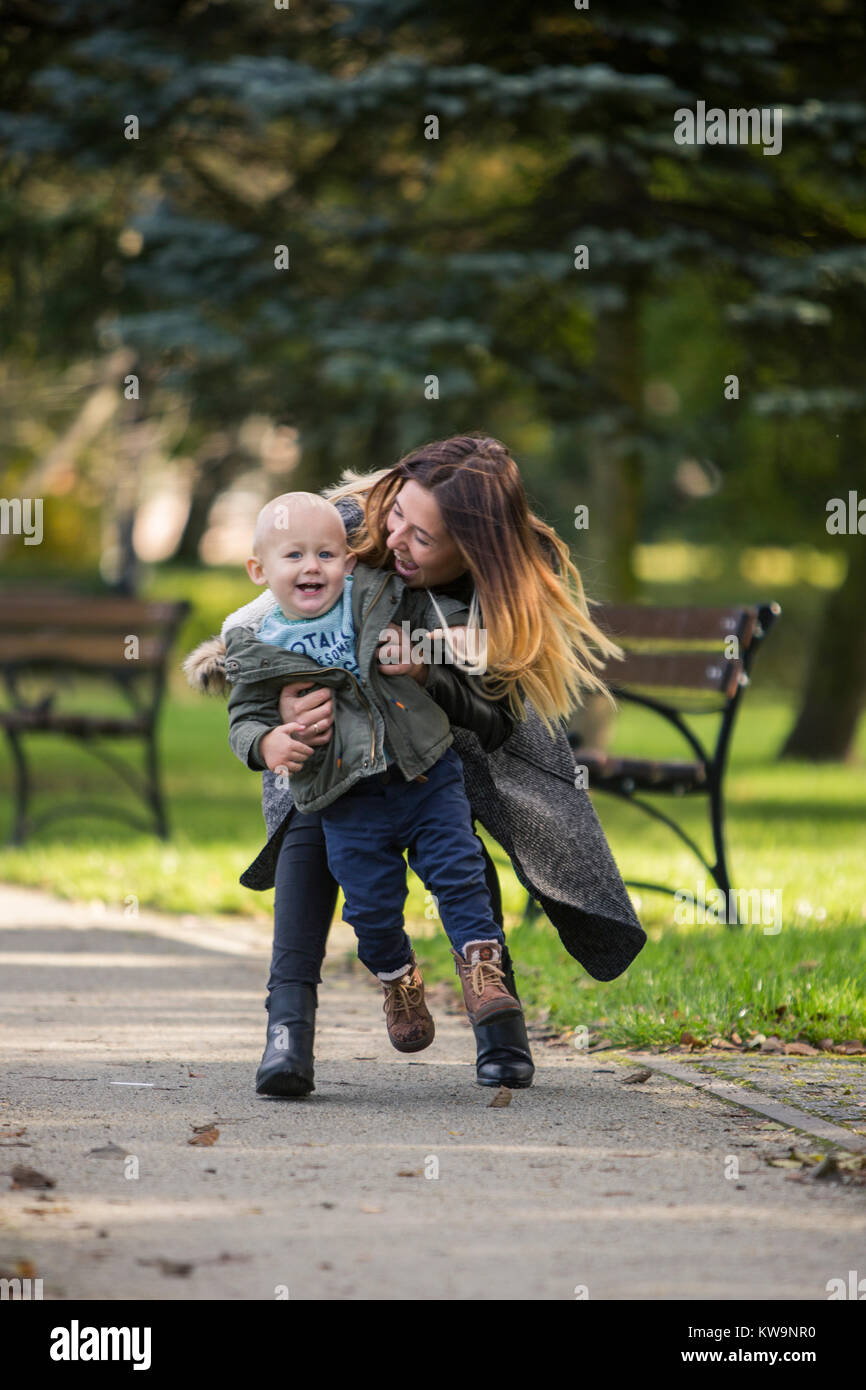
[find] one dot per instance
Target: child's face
(304, 565)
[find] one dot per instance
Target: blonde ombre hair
(541, 642)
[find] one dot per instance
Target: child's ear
(255, 571)
(351, 562)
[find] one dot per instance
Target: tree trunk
(212, 476)
(619, 473)
(835, 694)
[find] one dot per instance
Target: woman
(453, 517)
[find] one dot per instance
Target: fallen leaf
(800, 1049)
(755, 1040)
(371, 1211)
(409, 1172)
(205, 1136)
(827, 1168)
(723, 1044)
(502, 1098)
(25, 1270)
(849, 1049)
(600, 1045)
(735, 1038)
(689, 1040)
(110, 1151)
(826, 1045)
(178, 1268)
(12, 1133)
(636, 1078)
(22, 1176)
(194, 1073)
(48, 1211)
(793, 1158)
(772, 1044)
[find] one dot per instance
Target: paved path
(655, 1190)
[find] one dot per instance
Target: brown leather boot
(410, 1026)
(485, 992)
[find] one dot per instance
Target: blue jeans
(366, 832)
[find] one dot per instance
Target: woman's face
(424, 554)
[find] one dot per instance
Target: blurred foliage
(411, 257)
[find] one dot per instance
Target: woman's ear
(255, 571)
(351, 562)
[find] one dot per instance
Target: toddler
(388, 779)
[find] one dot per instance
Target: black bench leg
(531, 911)
(154, 792)
(720, 868)
(22, 789)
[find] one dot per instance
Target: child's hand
(283, 753)
(313, 711)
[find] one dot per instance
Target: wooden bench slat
(80, 725)
(646, 773)
(675, 671)
(67, 611)
(70, 650)
(626, 622)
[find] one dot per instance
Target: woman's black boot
(286, 1067)
(503, 1056)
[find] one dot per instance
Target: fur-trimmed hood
(205, 668)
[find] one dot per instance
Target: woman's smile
(404, 567)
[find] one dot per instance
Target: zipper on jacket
(370, 606)
(361, 699)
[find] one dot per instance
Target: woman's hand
(458, 640)
(282, 752)
(395, 657)
(312, 714)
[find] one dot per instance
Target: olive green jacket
(367, 710)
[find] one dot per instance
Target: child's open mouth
(311, 588)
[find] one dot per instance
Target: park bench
(49, 643)
(678, 662)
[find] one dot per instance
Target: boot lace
(402, 996)
(494, 976)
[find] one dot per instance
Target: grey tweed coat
(524, 795)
